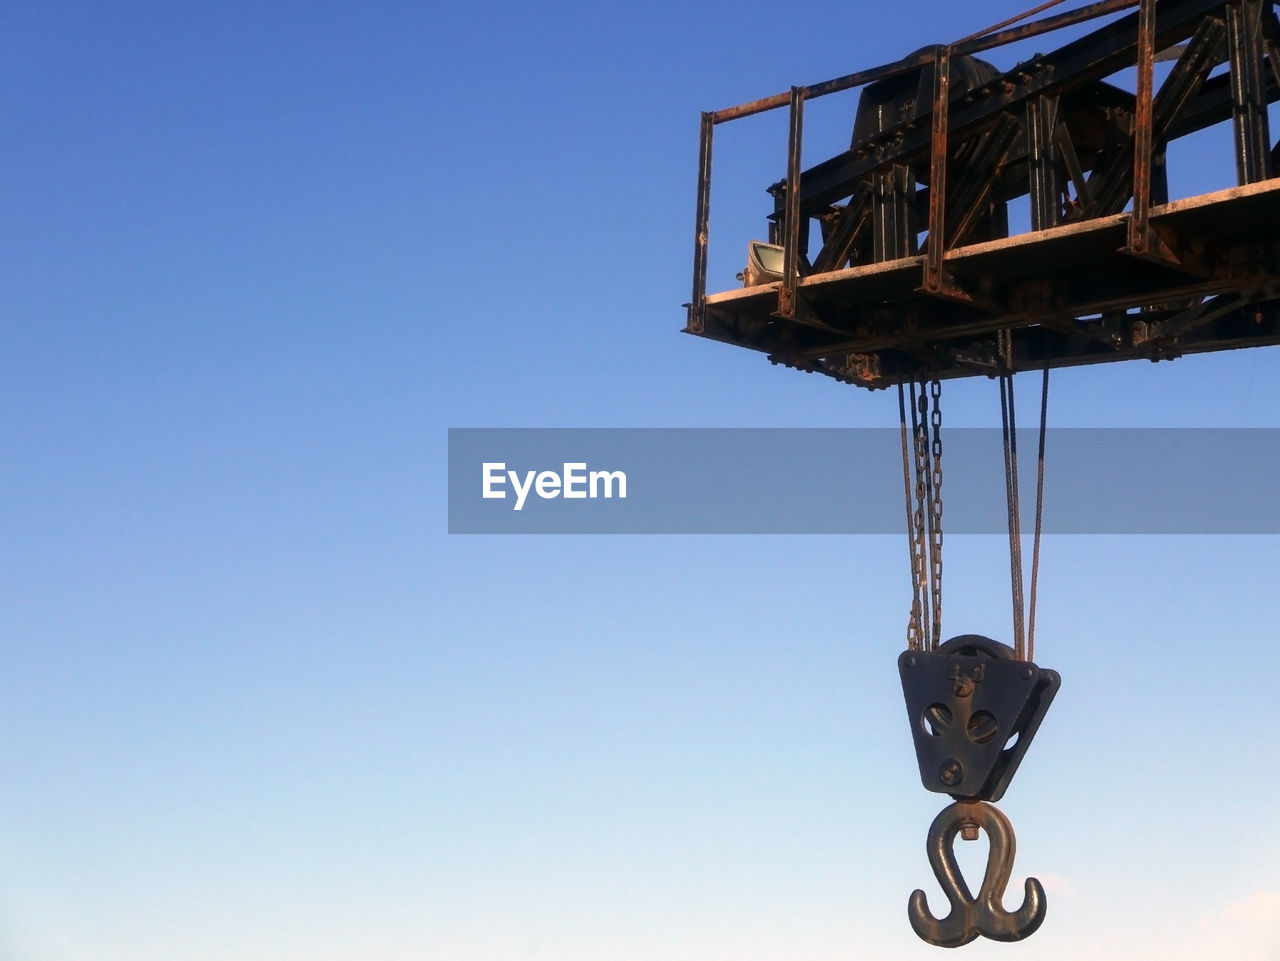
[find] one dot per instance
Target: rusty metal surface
(1249, 108)
(1143, 113)
(1089, 284)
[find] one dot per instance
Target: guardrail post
(697, 322)
(933, 279)
(791, 239)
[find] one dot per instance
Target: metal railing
(940, 59)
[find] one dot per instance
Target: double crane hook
(982, 915)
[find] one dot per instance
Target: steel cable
(1035, 543)
(914, 619)
(1009, 426)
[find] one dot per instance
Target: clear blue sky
(257, 704)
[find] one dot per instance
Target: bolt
(951, 773)
(969, 831)
(1026, 673)
(910, 661)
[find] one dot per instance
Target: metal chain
(924, 482)
(935, 547)
(924, 519)
(919, 548)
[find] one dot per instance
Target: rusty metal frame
(1018, 131)
(795, 98)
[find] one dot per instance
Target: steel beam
(1248, 97)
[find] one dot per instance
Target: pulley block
(974, 709)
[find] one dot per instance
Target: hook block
(974, 709)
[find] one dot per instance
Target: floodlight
(764, 264)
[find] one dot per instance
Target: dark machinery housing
(917, 275)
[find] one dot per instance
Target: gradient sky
(257, 704)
